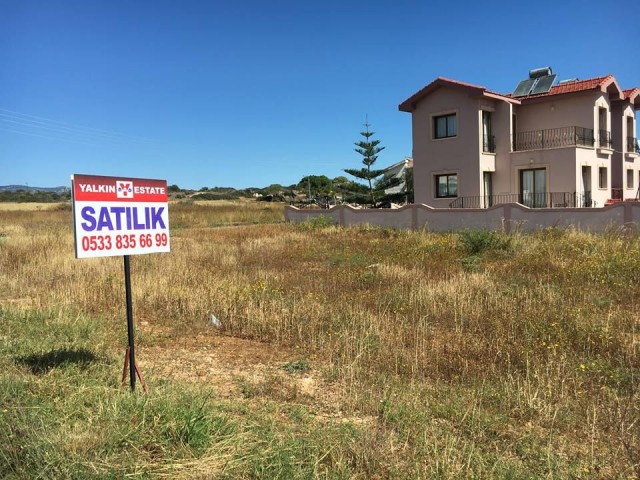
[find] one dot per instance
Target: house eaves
(633, 96)
(410, 103)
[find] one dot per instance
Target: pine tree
(369, 149)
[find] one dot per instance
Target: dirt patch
(213, 359)
(236, 368)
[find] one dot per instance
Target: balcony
(553, 138)
(633, 146)
(531, 200)
(489, 144)
(604, 139)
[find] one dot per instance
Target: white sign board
(119, 216)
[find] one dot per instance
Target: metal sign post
(131, 348)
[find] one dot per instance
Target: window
(631, 140)
(533, 188)
(447, 185)
(488, 143)
(604, 137)
(488, 189)
(629, 178)
(602, 177)
(602, 118)
(445, 126)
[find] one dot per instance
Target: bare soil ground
(236, 368)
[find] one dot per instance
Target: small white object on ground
(214, 321)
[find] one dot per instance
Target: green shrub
(301, 365)
(317, 223)
(475, 242)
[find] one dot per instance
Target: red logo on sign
(124, 189)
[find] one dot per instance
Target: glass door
(487, 137)
(533, 187)
(488, 190)
(586, 187)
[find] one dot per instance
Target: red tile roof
(633, 95)
(630, 92)
(580, 85)
(409, 103)
(457, 82)
(596, 83)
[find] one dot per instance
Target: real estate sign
(119, 216)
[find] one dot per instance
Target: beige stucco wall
(400, 218)
(594, 160)
(622, 159)
(631, 159)
(564, 170)
(628, 112)
(560, 164)
(564, 165)
(458, 154)
(463, 155)
(596, 220)
(509, 217)
(434, 220)
(557, 112)
(296, 215)
(502, 132)
(617, 119)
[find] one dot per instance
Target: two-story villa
(547, 144)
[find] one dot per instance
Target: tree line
(370, 187)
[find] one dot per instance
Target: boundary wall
(506, 217)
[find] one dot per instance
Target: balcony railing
(531, 200)
(553, 138)
(489, 144)
(632, 145)
(604, 139)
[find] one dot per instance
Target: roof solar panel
(524, 87)
(543, 85)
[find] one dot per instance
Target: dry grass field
(357, 353)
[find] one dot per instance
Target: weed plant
(520, 363)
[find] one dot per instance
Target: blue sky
(249, 93)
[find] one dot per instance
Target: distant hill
(26, 188)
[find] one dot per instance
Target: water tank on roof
(540, 72)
